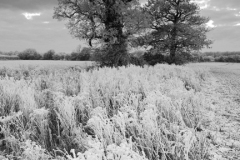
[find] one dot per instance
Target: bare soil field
(225, 95)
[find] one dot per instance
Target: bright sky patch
(210, 24)
(30, 16)
(202, 3)
(231, 9)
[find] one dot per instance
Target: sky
(29, 24)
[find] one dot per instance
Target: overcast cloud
(27, 5)
(29, 24)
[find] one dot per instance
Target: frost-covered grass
(15, 64)
(129, 113)
(218, 67)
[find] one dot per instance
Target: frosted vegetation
(126, 113)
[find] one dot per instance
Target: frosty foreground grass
(128, 113)
(15, 64)
(226, 99)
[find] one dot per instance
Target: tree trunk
(172, 54)
(116, 41)
(173, 47)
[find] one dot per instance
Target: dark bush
(219, 59)
(237, 58)
(138, 61)
(29, 54)
(153, 59)
(49, 55)
(58, 57)
(74, 56)
(67, 57)
(111, 56)
(183, 58)
(231, 59)
(85, 54)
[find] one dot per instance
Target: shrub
(183, 58)
(153, 59)
(58, 56)
(67, 57)
(30, 54)
(138, 61)
(49, 55)
(74, 56)
(111, 56)
(85, 54)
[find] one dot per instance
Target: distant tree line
(216, 57)
(6, 57)
(32, 54)
(9, 55)
(140, 57)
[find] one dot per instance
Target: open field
(131, 113)
(217, 67)
(226, 97)
(43, 64)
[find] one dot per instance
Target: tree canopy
(108, 22)
(175, 28)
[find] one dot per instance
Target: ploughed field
(62, 111)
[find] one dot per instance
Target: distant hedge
(6, 57)
(32, 54)
(233, 57)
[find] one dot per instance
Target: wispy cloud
(237, 15)
(46, 22)
(30, 16)
(202, 3)
(231, 9)
(28, 5)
